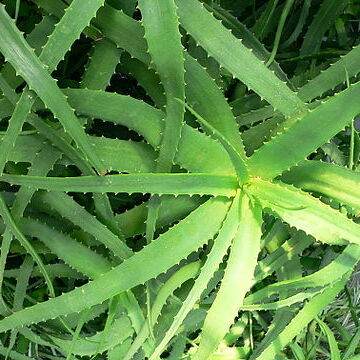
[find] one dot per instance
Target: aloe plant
(225, 213)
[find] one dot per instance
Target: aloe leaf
(284, 14)
(351, 347)
(128, 7)
(217, 112)
(177, 348)
(111, 315)
(75, 254)
(334, 153)
(327, 80)
(135, 313)
(26, 148)
(237, 281)
(118, 351)
(356, 357)
(236, 158)
(227, 50)
(54, 270)
(36, 339)
(136, 157)
(305, 212)
(171, 210)
(56, 138)
(330, 180)
(160, 21)
(28, 65)
(101, 66)
(254, 116)
(172, 246)
(124, 31)
(257, 135)
(71, 210)
(211, 65)
(37, 38)
(213, 163)
(261, 28)
(41, 165)
(194, 141)
(244, 102)
(331, 77)
(299, 26)
(177, 184)
(140, 117)
(146, 77)
(103, 208)
(116, 25)
(218, 251)
(50, 155)
(306, 135)
(248, 38)
(283, 316)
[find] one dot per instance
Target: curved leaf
(75, 254)
(330, 180)
(71, 210)
(305, 212)
(306, 135)
(101, 65)
(237, 158)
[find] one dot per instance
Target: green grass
(179, 179)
